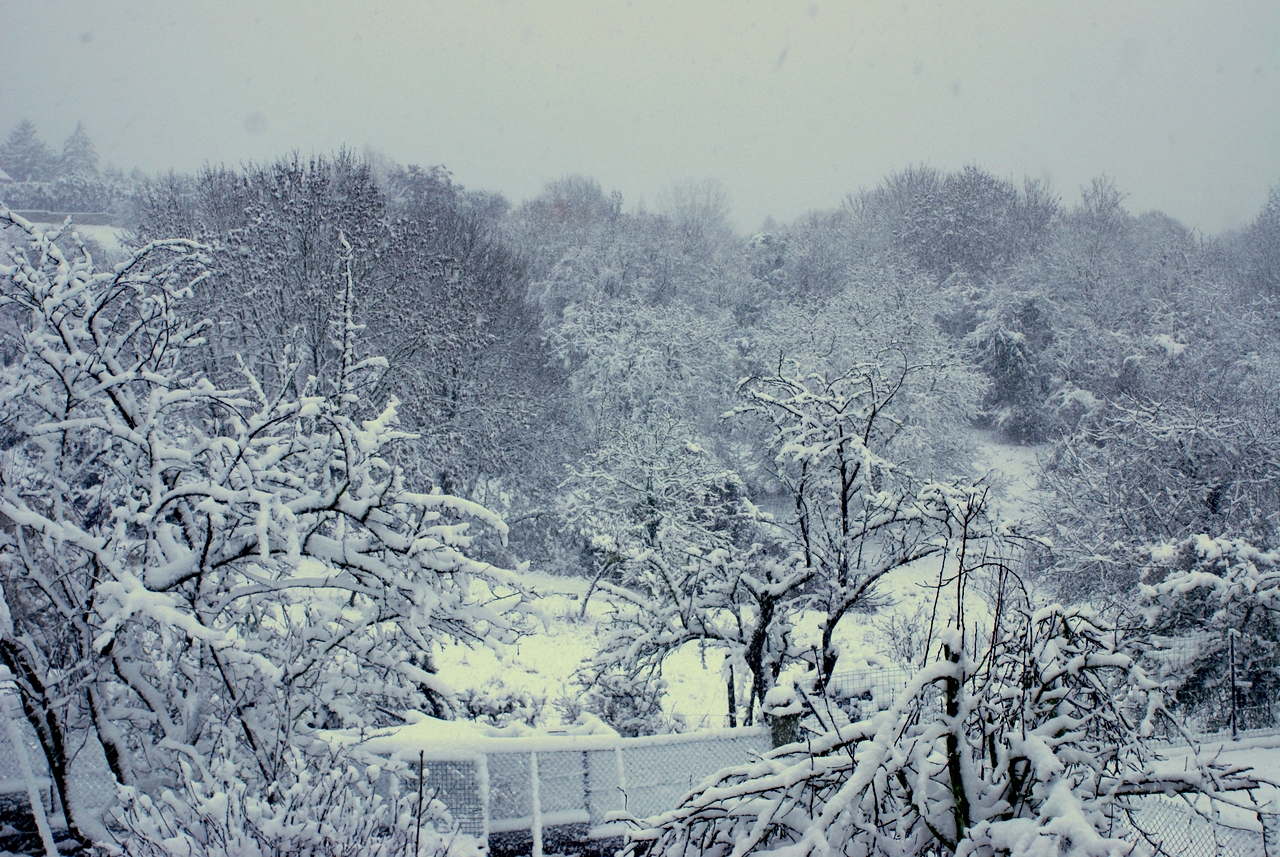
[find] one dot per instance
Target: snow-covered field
(543, 664)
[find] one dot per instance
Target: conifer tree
(24, 156)
(79, 157)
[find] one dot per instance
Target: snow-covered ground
(109, 238)
(543, 664)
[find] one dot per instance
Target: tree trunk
(48, 728)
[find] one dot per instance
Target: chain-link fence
(1162, 826)
(1222, 682)
(592, 785)
(91, 788)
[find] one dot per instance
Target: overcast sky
(790, 105)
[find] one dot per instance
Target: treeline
(522, 340)
(559, 359)
(70, 180)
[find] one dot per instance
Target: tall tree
(24, 155)
(79, 157)
(438, 291)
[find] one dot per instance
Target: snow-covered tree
(1027, 739)
(79, 156)
(1212, 607)
(202, 575)
(966, 222)
(1259, 250)
(1205, 457)
(630, 362)
(24, 156)
(440, 294)
(854, 512)
(670, 534)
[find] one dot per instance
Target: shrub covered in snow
(200, 577)
(1031, 744)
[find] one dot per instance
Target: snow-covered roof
(5, 177)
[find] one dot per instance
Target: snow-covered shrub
(904, 635)
(631, 703)
(1142, 472)
(1213, 609)
(1009, 342)
(192, 572)
(1029, 746)
(498, 705)
(333, 805)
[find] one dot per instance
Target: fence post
(482, 789)
(622, 777)
(1231, 648)
(536, 800)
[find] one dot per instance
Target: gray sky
(790, 105)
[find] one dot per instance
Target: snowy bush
(1212, 607)
(498, 705)
(1145, 471)
(1032, 745)
(334, 805)
(631, 703)
(192, 572)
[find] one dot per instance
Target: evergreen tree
(79, 157)
(24, 156)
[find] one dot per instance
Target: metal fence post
(482, 789)
(622, 776)
(1231, 649)
(536, 800)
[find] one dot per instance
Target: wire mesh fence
(859, 694)
(459, 785)
(540, 789)
(1220, 682)
(1161, 826)
(635, 777)
(91, 787)
(13, 786)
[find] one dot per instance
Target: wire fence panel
(659, 775)
(1225, 682)
(510, 797)
(13, 787)
(562, 787)
(588, 787)
(1167, 827)
(457, 785)
(605, 785)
